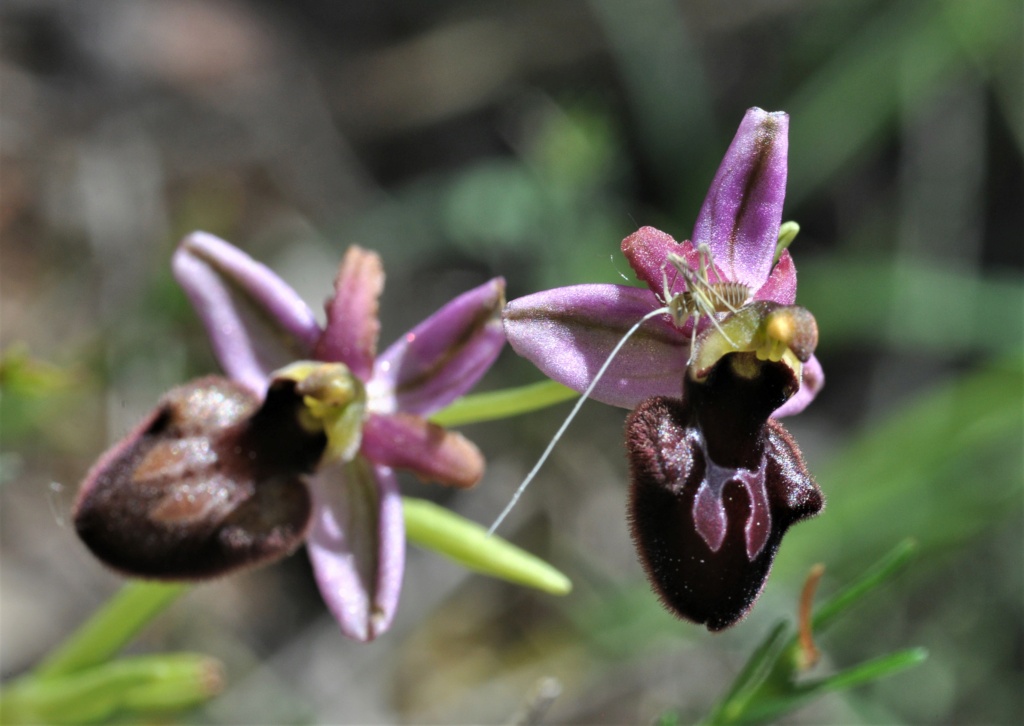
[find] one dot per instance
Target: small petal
(357, 545)
(352, 324)
(743, 210)
(444, 356)
(568, 333)
(255, 321)
(648, 249)
(811, 381)
(780, 286)
(404, 441)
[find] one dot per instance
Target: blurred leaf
(847, 105)
(128, 686)
(466, 542)
(756, 669)
(853, 300)
(765, 710)
(23, 375)
(111, 627)
(660, 66)
(882, 571)
(770, 683)
(942, 470)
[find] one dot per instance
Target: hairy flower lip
(715, 484)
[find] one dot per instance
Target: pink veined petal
(812, 380)
(445, 355)
(568, 333)
(357, 545)
(741, 215)
(255, 321)
(780, 286)
(352, 324)
(405, 441)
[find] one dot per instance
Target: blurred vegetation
(465, 140)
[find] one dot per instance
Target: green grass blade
(859, 675)
(757, 668)
(882, 571)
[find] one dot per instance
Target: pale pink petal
(568, 333)
(357, 545)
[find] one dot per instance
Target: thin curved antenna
(571, 416)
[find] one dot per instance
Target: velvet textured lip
(707, 359)
(301, 442)
(714, 482)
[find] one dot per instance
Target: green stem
(111, 627)
(503, 404)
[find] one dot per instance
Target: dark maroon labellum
(714, 486)
(210, 482)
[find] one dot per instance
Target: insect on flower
(707, 358)
(701, 297)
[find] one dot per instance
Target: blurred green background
(464, 140)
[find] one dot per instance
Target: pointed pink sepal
(445, 355)
(741, 215)
(568, 333)
(352, 325)
(256, 322)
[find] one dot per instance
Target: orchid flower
(568, 332)
(707, 356)
(311, 415)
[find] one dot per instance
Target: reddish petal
(352, 324)
(404, 441)
(780, 286)
(646, 249)
(357, 545)
(445, 355)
